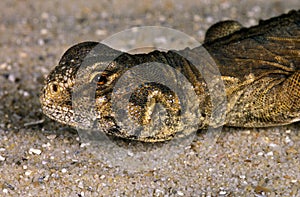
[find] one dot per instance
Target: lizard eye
(102, 80)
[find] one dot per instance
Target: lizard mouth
(61, 114)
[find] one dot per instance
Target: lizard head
(56, 95)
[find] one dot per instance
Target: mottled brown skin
(259, 67)
(264, 60)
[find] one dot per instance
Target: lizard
(259, 67)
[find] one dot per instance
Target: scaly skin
(259, 67)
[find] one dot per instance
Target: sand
(39, 157)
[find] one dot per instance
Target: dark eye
(102, 80)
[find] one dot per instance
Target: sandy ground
(39, 157)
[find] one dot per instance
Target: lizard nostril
(54, 88)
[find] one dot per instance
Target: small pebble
(51, 137)
(247, 132)
(41, 42)
(44, 15)
(197, 18)
(209, 19)
(287, 139)
(23, 55)
(80, 185)
(102, 176)
(28, 172)
(162, 18)
(273, 145)
(24, 93)
(55, 175)
(222, 192)
(104, 14)
(101, 32)
(44, 31)
(5, 66)
(47, 145)
(11, 78)
(35, 151)
(46, 178)
(180, 193)
(130, 154)
(158, 191)
(82, 145)
(2, 158)
(225, 5)
(260, 154)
